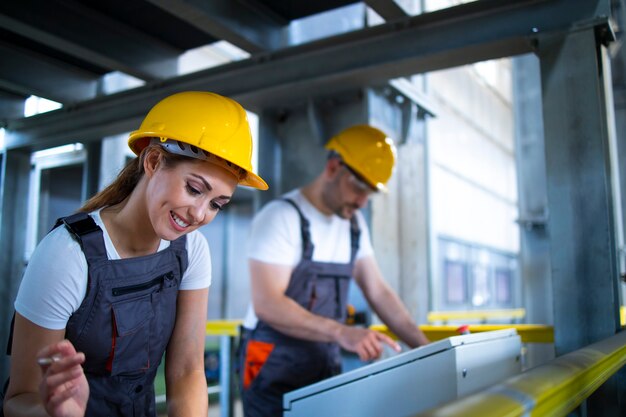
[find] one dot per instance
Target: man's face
(347, 193)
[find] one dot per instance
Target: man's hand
(366, 343)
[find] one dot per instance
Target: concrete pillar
(400, 218)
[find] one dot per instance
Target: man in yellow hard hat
(304, 248)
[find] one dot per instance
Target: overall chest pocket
(143, 319)
(328, 294)
(132, 322)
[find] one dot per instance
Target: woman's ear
(151, 162)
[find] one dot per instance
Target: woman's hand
(64, 390)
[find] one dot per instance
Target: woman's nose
(198, 213)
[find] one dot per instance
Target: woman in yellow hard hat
(125, 280)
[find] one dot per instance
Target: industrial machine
(413, 381)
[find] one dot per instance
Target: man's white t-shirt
(275, 237)
(55, 281)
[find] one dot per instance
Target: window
(475, 277)
(503, 280)
(456, 282)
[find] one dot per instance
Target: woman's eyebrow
(208, 186)
(204, 181)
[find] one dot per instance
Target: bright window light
(35, 105)
(72, 147)
(116, 81)
(488, 70)
(2, 144)
(341, 20)
(209, 56)
(253, 120)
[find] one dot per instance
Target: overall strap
(307, 245)
(88, 234)
(179, 246)
(10, 341)
(355, 234)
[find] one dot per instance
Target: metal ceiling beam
(71, 48)
(228, 20)
(79, 29)
(11, 104)
(27, 72)
(387, 9)
(456, 36)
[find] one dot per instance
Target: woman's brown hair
(128, 178)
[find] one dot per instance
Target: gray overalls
(272, 363)
(125, 321)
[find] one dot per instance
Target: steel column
(13, 208)
(91, 169)
(532, 201)
(226, 370)
(580, 200)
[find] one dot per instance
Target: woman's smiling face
(186, 196)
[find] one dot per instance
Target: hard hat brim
(139, 140)
(254, 181)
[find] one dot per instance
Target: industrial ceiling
(62, 49)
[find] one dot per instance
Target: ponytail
(128, 178)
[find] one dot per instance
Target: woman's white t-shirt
(55, 281)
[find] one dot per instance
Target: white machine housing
(413, 381)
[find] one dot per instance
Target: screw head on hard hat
(368, 151)
(211, 122)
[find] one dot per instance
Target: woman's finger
(60, 396)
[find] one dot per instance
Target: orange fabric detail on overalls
(109, 364)
(256, 356)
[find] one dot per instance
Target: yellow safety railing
(482, 315)
(223, 327)
(552, 389)
(529, 333)
(228, 330)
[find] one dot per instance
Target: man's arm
(386, 302)
(269, 283)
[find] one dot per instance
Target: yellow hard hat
(368, 151)
(213, 123)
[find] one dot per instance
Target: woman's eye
(216, 206)
(193, 191)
